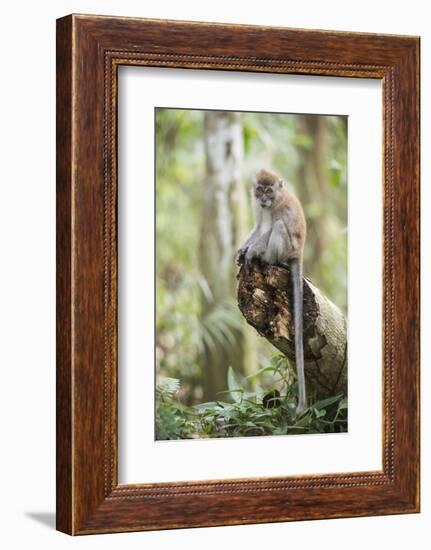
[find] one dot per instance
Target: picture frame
(89, 51)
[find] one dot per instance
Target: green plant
(166, 388)
(172, 420)
(270, 412)
(270, 409)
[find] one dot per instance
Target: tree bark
(265, 298)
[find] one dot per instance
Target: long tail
(296, 272)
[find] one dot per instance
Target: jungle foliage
(249, 412)
(197, 326)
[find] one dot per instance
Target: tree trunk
(313, 170)
(265, 299)
(223, 225)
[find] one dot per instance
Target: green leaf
(319, 413)
(291, 406)
(302, 422)
(203, 407)
(234, 386)
(235, 398)
(261, 371)
(167, 387)
(326, 402)
(282, 430)
(343, 404)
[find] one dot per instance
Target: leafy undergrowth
(243, 412)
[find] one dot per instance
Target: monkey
(278, 238)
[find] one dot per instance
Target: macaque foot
(247, 264)
(254, 254)
(240, 256)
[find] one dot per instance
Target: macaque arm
(254, 233)
(246, 244)
(257, 248)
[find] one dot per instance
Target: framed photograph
(237, 274)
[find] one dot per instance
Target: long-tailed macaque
(278, 238)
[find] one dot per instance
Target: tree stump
(265, 298)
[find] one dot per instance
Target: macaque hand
(254, 252)
(240, 255)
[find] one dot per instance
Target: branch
(265, 298)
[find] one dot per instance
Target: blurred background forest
(205, 162)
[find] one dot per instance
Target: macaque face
(266, 194)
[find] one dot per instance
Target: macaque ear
(280, 183)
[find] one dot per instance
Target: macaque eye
(270, 191)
